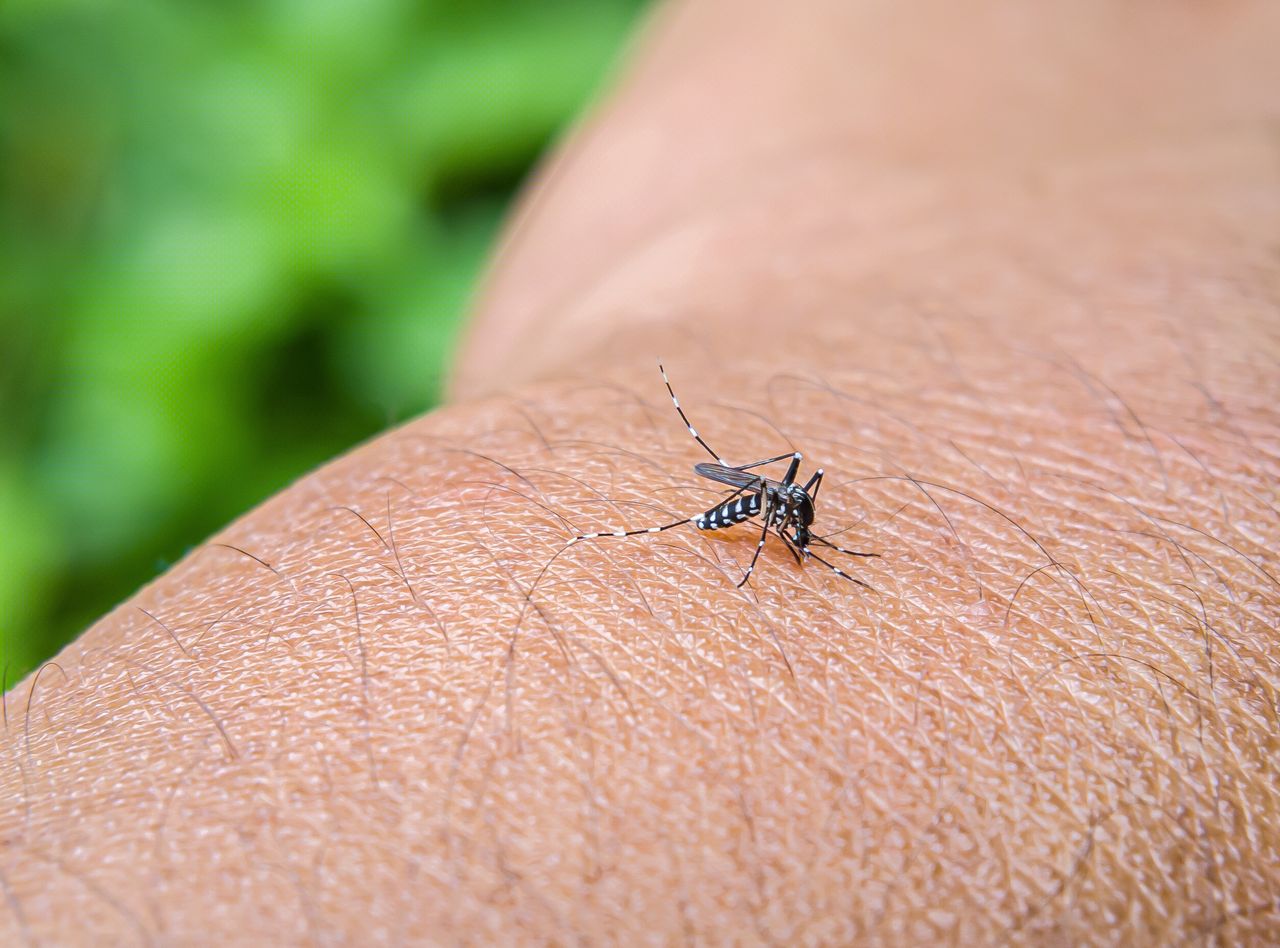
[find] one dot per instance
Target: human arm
(1022, 312)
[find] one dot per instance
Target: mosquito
(784, 505)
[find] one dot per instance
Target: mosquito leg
(840, 549)
(837, 570)
(791, 547)
(815, 482)
(780, 457)
(685, 418)
(764, 532)
(636, 533)
(792, 469)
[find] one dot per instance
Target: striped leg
(796, 456)
(764, 532)
(633, 533)
(814, 484)
(840, 549)
(636, 533)
(839, 572)
(683, 417)
(794, 550)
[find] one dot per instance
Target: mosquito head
(801, 505)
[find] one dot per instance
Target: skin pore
(1007, 273)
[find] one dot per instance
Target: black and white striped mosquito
(784, 505)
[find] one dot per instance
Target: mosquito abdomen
(729, 513)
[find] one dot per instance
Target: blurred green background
(237, 237)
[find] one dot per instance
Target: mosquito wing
(728, 475)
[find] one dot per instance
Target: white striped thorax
(783, 505)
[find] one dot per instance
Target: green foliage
(236, 238)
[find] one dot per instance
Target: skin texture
(1008, 273)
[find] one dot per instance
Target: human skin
(1008, 273)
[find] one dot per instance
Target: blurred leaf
(27, 557)
(494, 89)
(235, 238)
